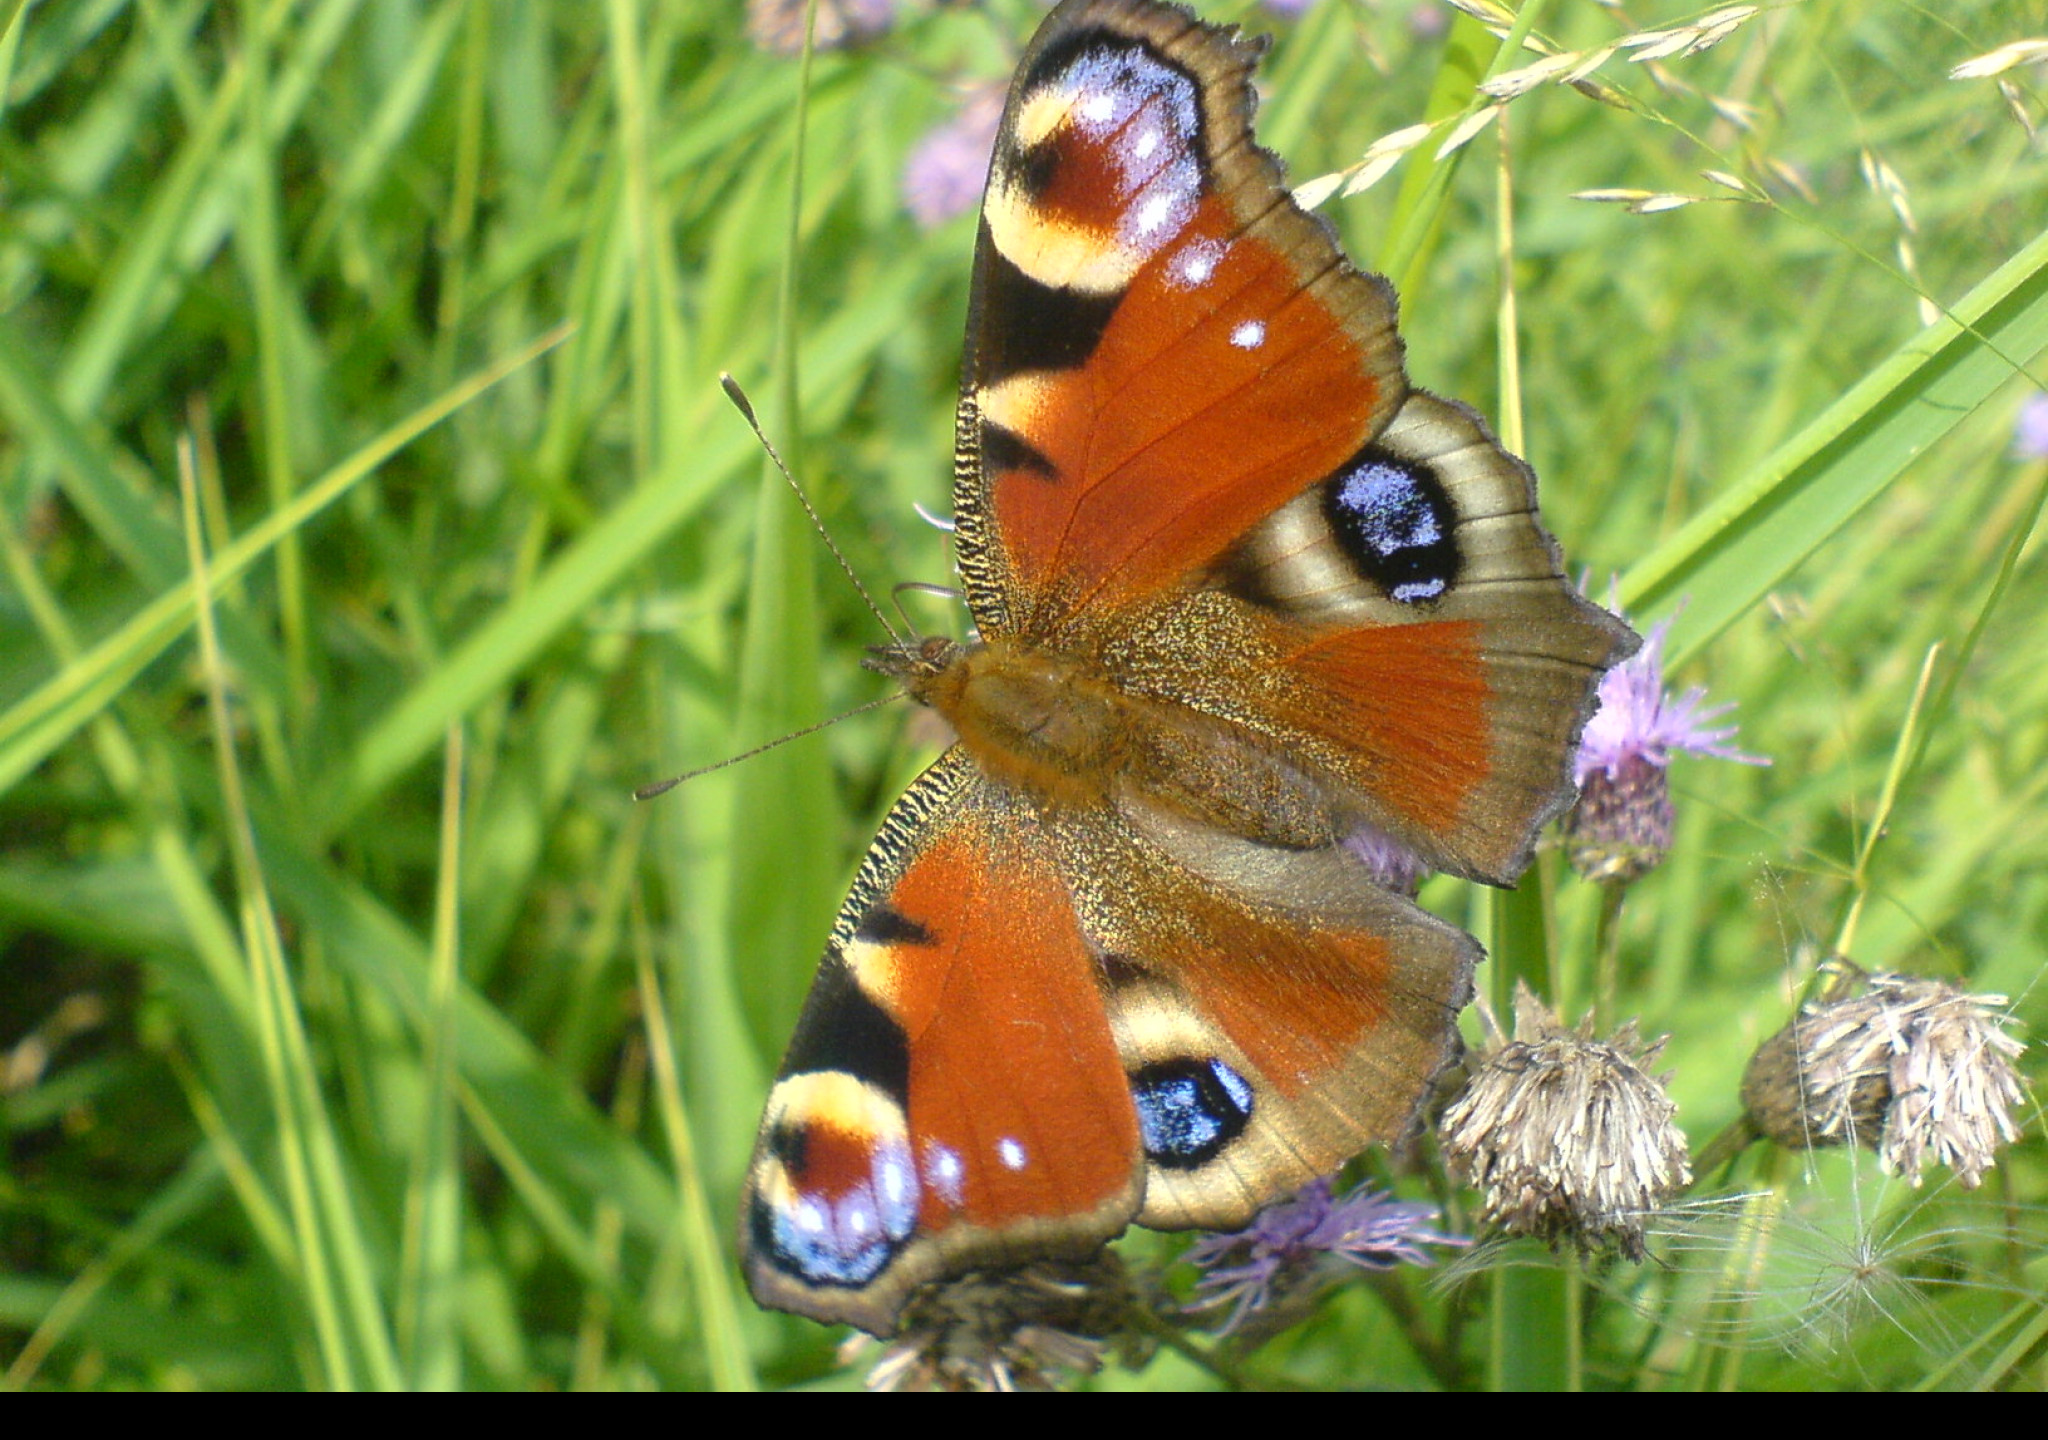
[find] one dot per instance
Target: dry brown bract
(1915, 1069)
(1568, 1137)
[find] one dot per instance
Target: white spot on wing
(1250, 335)
(1147, 143)
(1194, 264)
(1010, 1153)
(943, 1171)
(1099, 107)
(1152, 214)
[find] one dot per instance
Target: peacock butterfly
(1240, 595)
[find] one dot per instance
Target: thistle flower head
(1567, 1137)
(1638, 719)
(1915, 1069)
(947, 170)
(1018, 1329)
(1287, 1242)
(1393, 865)
(1621, 829)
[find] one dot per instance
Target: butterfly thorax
(1043, 722)
(1067, 734)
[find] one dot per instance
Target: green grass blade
(1763, 527)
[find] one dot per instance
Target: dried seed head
(1020, 1329)
(1915, 1069)
(1567, 1137)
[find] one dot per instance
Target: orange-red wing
(1163, 347)
(1277, 1011)
(1402, 633)
(952, 1096)
(1417, 698)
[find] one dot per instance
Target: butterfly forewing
(1163, 348)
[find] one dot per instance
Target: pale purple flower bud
(777, 26)
(1621, 828)
(948, 169)
(2030, 428)
(1394, 866)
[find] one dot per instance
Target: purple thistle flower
(2030, 428)
(777, 26)
(1394, 866)
(1289, 9)
(945, 174)
(1638, 719)
(1288, 1240)
(1622, 827)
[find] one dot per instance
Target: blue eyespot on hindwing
(1189, 1109)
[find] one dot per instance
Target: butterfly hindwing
(1406, 626)
(1027, 1033)
(1276, 1010)
(953, 1095)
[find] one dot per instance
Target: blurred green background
(358, 1029)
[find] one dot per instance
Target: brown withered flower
(1020, 1329)
(1568, 1138)
(1915, 1069)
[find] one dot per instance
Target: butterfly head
(914, 664)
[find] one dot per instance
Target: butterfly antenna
(922, 587)
(746, 409)
(662, 787)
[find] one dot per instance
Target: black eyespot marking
(838, 1229)
(1003, 450)
(1396, 521)
(1040, 166)
(1121, 972)
(1035, 326)
(844, 1028)
(789, 1144)
(886, 925)
(1189, 1110)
